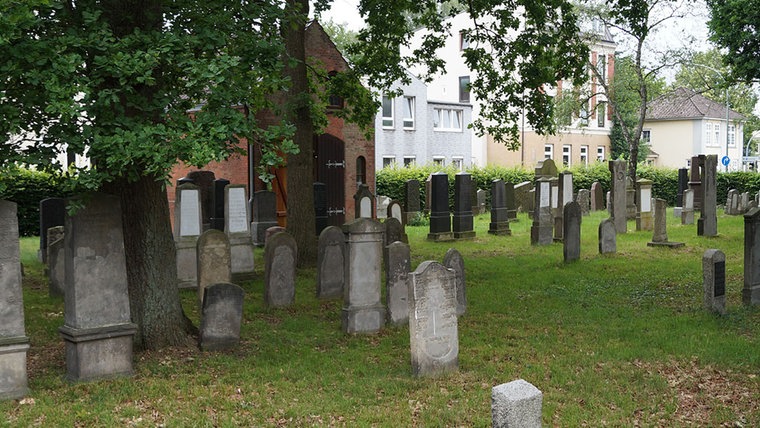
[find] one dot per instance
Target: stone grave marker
(732, 203)
(644, 218)
(280, 256)
(541, 229)
(695, 180)
(214, 260)
(564, 196)
(499, 213)
(363, 312)
(480, 195)
(13, 340)
(411, 199)
(660, 234)
(237, 226)
(607, 237)
(751, 290)
(617, 200)
(330, 263)
(205, 182)
(463, 220)
(394, 231)
(382, 203)
(97, 331)
(321, 207)
(218, 198)
(272, 231)
(714, 280)
(52, 213)
(525, 197)
(516, 404)
(453, 260)
(510, 201)
(584, 200)
(394, 211)
(264, 215)
(221, 316)
(571, 244)
(687, 211)
(743, 203)
(56, 260)
(440, 217)
(433, 327)
(597, 197)
(707, 225)
(546, 168)
(187, 229)
(397, 268)
(428, 193)
(630, 199)
(365, 202)
(683, 184)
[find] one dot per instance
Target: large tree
(735, 26)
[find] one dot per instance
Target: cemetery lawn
(617, 340)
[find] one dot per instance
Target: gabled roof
(684, 103)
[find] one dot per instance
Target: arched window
(361, 171)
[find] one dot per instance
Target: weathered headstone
(453, 260)
(363, 311)
(732, 203)
(237, 226)
(272, 231)
(365, 202)
(187, 229)
(525, 197)
(541, 229)
(714, 280)
(510, 201)
(264, 215)
(218, 197)
(463, 220)
(52, 213)
(607, 237)
(687, 211)
(480, 196)
(440, 217)
(13, 340)
(433, 327)
(630, 199)
(516, 404)
(97, 329)
(751, 290)
(205, 182)
(499, 213)
(707, 225)
(695, 180)
(397, 268)
(584, 200)
(394, 211)
(660, 233)
(382, 203)
(744, 202)
(683, 184)
(617, 202)
(330, 263)
(56, 260)
(546, 168)
(597, 197)
(214, 265)
(564, 196)
(321, 207)
(571, 244)
(411, 199)
(221, 316)
(644, 217)
(394, 231)
(280, 256)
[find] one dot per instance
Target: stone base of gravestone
(669, 244)
(516, 404)
(644, 221)
(13, 379)
(441, 237)
(241, 258)
(98, 353)
(259, 231)
(187, 262)
(677, 212)
(470, 234)
(221, 317)
(362, 319)
(500, 228)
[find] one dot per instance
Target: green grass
(618, 340)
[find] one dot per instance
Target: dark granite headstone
(440, 217)
(510, 201)
(463, 220)
(499, 213)
(205, 182)
(217, 219)
(707, 225)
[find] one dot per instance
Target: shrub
(27, 188)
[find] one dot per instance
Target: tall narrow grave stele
(541, 230)
(618, 195)
(237, 226)
(463, 220)
(707, 225)
(440, 217)
(363, 312)
(187, 229)
(571, 244)
(397, 267)
(213, 260)
(499, 212)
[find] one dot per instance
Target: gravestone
(687, 211)
(321, 207)
(330, 261)
(271, 232)
(365, 202)
(411, 199)
(214, 265)
(608, 197)
(695, 180)
(516, 404)
(751, 290)
(732, 203)
(280, 256)
(499, 213)
(525, 197)
(597, 197)
(707, 225)
(584, 200)
(554, 196)
(510, 201)
(714, 280)
(541, 229)
(564, 196)
(453, 260)
(237, 226)
(394, 211)
(13, 340)
(630, 199)
(363, 311)
(571, 244)
(683, 185)
(480, 195)
(264, 215)
(205, 182)
(221, 317)
(743, 203)
(382, 203)
(463, 220)
(394, 231)
(97, 330)
(644, 218)
(56, 260)
(440, 217)
(607, 237)
(187, 229)
(433, 327)
(52, 213)
(218, 197)
(546, 168)
(660, 234)
(428, 193)
(397, 268)
(617, 200)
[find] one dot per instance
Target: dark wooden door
(330, 168)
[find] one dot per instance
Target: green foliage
(27, 188)
(585, 176)
(664, 182)
(734, 26)
(739, 180)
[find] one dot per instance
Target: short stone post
(440, 217)
(751, 290)
(644, 214)
(516, 404)
(714, 280)
(363, 311)
(571, 244)
(187, 229)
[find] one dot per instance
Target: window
(334, 101)
(409, 160)
(387, 112)
(732, 135)
(646, 136)
(464, 89)
(408, 112)
(463, 42)
(600, 153)
(601, 110)
(447, 119)
(388, 161)
(567, 153)
(361, 170)
(716, 132)
(458, 163)
(548, 151)
(601, 66)
(584, 155)
(708, 134)
(439, 161)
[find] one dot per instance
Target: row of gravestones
(740, 203)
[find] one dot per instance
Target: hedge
(27, 188)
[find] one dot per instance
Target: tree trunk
(301, 220)
(151, 265)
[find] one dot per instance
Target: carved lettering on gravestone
(189, 209)
(720, 279)
(545, 194)
(237, 214)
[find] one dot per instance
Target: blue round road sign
(725, 160)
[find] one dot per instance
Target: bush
(27, 188)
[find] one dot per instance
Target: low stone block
(516, 404)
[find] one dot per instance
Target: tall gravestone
(751, 290)
(584, 200)
(321, 207)
(264, 215)
(618, 195)
(607, 237)
(687, 211)
(564, 196)
(571, 244)
(428, 193)
(97, 329)
(397, 268)
(13, 340)
(714, 280)
(660, 233)
(331, 256)
(214, 265)
(707, 225)
(516, 404)
(597, 197)
(237, 226)
(187, 229)
(433, 326)
(52, 213)
(280, 256)
(411, 199)
(365, 202)
(363, 312)
(510, 201)
(463, 220)
(683, 184)
(695, 180)
(644, 217)
(205, 182)
(453, 260)
(440, 217)
(218, 197)
(630, 199)
(499, 212)
(541, 229)
(221, 316)
(56, 260)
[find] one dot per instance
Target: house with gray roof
(683, 123)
